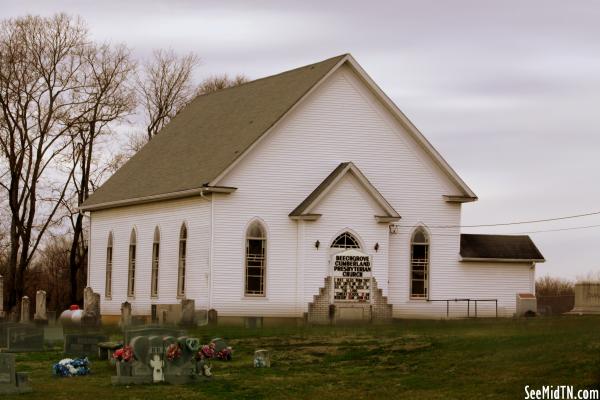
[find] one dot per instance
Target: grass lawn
(458, 359)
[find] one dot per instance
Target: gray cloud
(507, 91)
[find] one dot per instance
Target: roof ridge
(210, 133)
(270, 76)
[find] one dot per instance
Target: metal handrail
(468, 304)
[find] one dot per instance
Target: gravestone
(53, 334)
(188, 308)
(262, 358)
(83, 344)
(91, 308)
(220, 344)
(25, 338)
(212, 316)
(125, 314)
(151, 330)
(151, 362)
(11, 381)
(2, 314)
(41, 316)
(24, 309)
(4, 332)
(51, 317)
(106, 349)
(201, 317)
(587, 299)
(168, 314)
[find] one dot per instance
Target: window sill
(255, 298)
(109, 298)
(420, 299)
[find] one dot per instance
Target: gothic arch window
(346, 241)
(132, 261)
(183, 235)
(419, 264)
(155, 263)
(256, 244)
(109, 267)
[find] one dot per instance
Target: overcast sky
(507, 91)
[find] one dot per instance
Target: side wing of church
(307, 194)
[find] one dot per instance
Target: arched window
(256, 243)
(131, 270)
(419, 264)
(155, 258)
(182, 256)
(345, 241)
(109, 262)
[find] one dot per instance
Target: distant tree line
(62, 98)
(552, 286)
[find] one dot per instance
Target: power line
(533, 221)
(521, 233)
(559, 229)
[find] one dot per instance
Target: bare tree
(219, 82)
(165, 86)
(109, 98)
(41, 85)
(49, 271)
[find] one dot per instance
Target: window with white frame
(109, 266)
(132, 261)
(256, 243)
(155, 263)
(182, 259)
(419, 264)
(345, 241)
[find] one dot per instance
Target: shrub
(551, 286)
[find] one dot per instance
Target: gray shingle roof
(499, 247)
(208, 135)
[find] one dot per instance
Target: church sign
(352, 276)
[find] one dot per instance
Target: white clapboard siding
(168, 216)
(339, 122)
(356, 215)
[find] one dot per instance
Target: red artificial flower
(173, 352)
(123, 354)
(208, 351)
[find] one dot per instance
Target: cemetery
(52, 353)
(423, 359)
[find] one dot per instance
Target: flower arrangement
(173, 352)
(208, 351)
(123, 354)
(71, 367)
(224, 354)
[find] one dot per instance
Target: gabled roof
(304, 209)
(209, 136)
(499, 248)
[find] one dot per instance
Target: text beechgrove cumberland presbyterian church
(307, 194)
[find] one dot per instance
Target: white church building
(305, 195)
